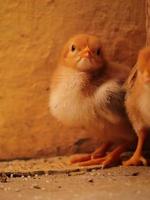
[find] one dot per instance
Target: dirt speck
(90, 180)
(135, 174)
(36, 186)
(3, 178)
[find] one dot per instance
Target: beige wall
(31, 35)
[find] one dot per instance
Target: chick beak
(146, 78)
(86, 53)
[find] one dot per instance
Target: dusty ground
(118, 183)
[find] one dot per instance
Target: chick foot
(135, 161)
(110, 159)
(137, 158)
(99, 152)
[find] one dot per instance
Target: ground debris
(42, 166)
(135, 174)
(36, 186)
(90, 180)
(3, 178)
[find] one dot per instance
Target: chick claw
(80, 158)
(104, 161)
(135, 161)
(87, 160)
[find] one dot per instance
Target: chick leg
(137, 157)
(99, 152)
(107, 160)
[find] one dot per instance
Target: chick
(86, 91)
(137, 103)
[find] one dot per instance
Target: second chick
(138, 103)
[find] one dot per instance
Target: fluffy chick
(138, 103)
(87, 91)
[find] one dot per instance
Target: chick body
(137, 103)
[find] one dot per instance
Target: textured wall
(31, 35)
(147, 22)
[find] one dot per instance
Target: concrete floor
(118, 183)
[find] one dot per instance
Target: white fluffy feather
(69, 104)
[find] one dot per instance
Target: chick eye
(98, 52)
(73, 48)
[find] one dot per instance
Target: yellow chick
(138, 103)
(86, 91)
